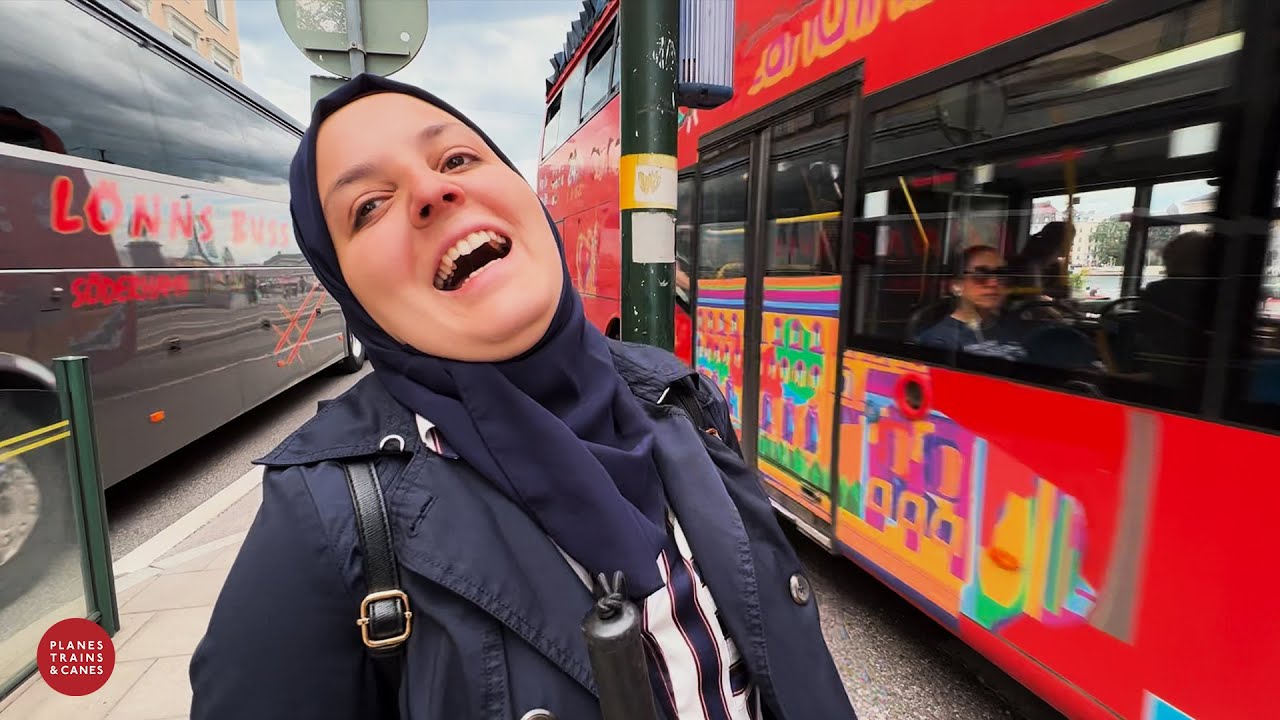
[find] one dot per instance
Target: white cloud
(489, 58)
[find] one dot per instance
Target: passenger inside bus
(1175, 316)
(978, 322)
(1039, 269)
(982, 322)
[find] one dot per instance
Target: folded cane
(612, 629)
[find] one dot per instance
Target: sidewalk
(165, 590)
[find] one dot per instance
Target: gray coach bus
(144, 223)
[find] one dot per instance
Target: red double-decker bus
(1035, 473)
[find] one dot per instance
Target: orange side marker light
(157, 416)
(1003, 559)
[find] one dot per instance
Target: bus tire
(37, 522)
(613, 330)
(354, 361)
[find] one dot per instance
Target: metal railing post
(75, 393)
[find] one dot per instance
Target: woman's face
(985, 285)
(445, 246)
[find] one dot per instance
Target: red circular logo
(76, 657)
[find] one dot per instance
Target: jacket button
(538, 714)
(800, 591)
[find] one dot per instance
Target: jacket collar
(366, 419)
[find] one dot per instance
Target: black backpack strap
(684, 395)
(385, 619)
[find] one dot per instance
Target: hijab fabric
(556, 429)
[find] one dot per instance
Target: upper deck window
(599, 67)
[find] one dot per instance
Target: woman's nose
(435, 194)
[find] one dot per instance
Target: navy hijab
(556, 429)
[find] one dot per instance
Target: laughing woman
(519, 454)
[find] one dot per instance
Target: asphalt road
(897, 664)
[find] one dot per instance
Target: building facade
(206, 26)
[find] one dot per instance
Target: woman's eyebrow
(353, 174)
(360, 171)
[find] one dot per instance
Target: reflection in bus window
(600, 65)
(684, 237)
(806, 192)
(1115, 270)
(1083, 258)
(1177, 208)
(1264, 383)
(722, 223)
(906, 224)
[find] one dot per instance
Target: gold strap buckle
(364, 620)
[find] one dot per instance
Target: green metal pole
(76, 395)
(650, 38)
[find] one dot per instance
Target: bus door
(774, 326)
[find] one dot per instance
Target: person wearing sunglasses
(978, 323)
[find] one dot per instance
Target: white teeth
(465, 246)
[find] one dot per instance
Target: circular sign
(76, 657)
(390, 33)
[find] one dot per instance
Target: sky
(489, 58)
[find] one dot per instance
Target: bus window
(899, 249)
(684, 237)
(66, 95)
(571, 104)
(1083, 258)
(599, 65)
(806, 192)
(551, 133)
(1071, 256)
(1263, 385)
(1180, 207)
(722, 212)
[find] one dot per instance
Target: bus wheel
(36, 518)
(354, 360)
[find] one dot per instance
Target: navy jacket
(497, 612)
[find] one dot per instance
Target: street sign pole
(349, 37)
(650, 34)
(355, 34)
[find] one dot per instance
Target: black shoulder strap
(683, 395)
(385, 619)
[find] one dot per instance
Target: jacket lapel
(456, 530)
(715, 531)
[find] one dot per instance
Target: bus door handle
(55, 299)
(174, 343)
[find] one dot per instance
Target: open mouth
(469, 257)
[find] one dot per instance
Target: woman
(978, 322)
(520, 453)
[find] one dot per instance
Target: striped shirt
(696, 670)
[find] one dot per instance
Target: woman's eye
(453, 162)
(362, 212)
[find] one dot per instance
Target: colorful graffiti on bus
(966, 527)
(799, 361)
(719, 349)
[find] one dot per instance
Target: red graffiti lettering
(60, 217)
(206, 221)
(145, 221)
(104, 208)
(99, 289)
(181, 222)
(237, 227)
(105, 212)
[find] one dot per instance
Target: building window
(182, 29)
(221, 58)
(216, 11)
